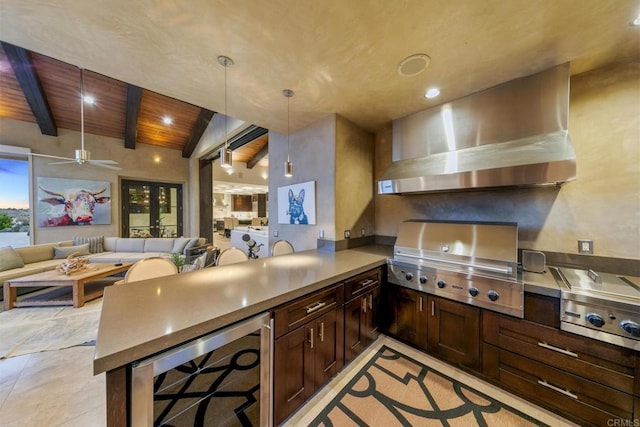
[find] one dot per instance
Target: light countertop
(142, 318)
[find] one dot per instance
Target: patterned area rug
(27, 330)
(395, 390)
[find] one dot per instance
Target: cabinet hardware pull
(315, 307)
(371, 302)
(558, 389)
(433, 308)
(421, 304)
(366, 282)
(559, 350)
(311, 337)
(321, 331)
(363, 302)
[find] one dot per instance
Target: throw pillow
(9, 259)
(61, 252)
(179, 243)
(95, 243)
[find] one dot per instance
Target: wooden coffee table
(53, 278)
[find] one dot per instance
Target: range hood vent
(511, 135)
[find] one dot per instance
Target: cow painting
(71, 206)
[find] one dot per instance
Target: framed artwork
(297, 203)
(62, 202)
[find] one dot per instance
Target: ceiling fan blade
(51, 157)
(104, 165)
(106, 162)
(68, 162)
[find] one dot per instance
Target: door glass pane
(168, 202)
(139, 210)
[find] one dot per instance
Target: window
(15, 210)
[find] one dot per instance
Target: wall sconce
(288, 166)
(226, 160)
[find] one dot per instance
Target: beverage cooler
(221, 379)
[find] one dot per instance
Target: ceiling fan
(82, 156)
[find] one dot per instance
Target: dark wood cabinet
(408, 315)
(444, 328)
(242, 203)
(361, 323)
(308, 348)
(453, 332)
(585, 380)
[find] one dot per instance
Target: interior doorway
(151, 209)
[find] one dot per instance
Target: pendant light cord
(288, 126)
(226, 129)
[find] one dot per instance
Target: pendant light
(225, 153)
(288, 166)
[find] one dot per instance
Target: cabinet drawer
(355, 286)
(587, 400)
(597, 361)
(295, 314)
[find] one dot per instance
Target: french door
(151, 209)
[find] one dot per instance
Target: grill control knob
(442, 284)
(423, 279)
(493, 295)
(595, 319)
(631, 327)
(408, 276)
(474, 292)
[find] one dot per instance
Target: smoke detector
(413, 65)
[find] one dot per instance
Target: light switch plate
(275, 233)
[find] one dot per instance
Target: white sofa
(39, 258)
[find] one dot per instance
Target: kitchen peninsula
(155, 315)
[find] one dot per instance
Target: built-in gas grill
(601, 306)
(474, 263)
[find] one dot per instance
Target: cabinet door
(372, 321)
(410, 321)
(454, 332)
(327, 347)
(293, 385)
(354, 333)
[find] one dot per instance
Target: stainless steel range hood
(511, 135)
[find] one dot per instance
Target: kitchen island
(148, 317)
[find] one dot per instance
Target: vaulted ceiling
(39, 89)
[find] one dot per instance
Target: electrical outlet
(275, 233)
(362, 233)
(585, 246)
(347, 234)
(321, 234)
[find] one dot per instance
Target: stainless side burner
(601, 306)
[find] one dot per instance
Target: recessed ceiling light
(167, 120)
(413, 65)
(636, 22)
(432, 93)
(88, 99)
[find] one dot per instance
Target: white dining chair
(231, 256)
(149, 268)
(281, 247)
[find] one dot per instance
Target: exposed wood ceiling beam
(199, 127)
(258, 156)
(31, 87)
(134, 100)
(246, 136)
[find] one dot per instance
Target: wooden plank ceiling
(59, 84)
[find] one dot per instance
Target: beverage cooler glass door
(223, 378)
